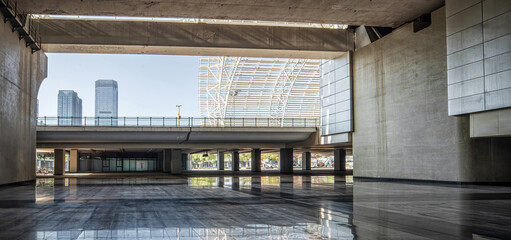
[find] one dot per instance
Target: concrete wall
(402, 128)
(478, 55)
(21, 73)
(491, 123)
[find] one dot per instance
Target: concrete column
(256, 160)
(235, 161)
(286, 160)
(59, 164)
(176, 161)
(188, 162)
(306, 161)
(160, 161)
(339, 160)
(220, 160)
(167, 156)
(73, 161)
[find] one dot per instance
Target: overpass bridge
(172, 139)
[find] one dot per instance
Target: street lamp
(178, 114)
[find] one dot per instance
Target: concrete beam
(390, 13)
(102, 36)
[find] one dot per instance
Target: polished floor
(251, 207)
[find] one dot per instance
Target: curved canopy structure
(259, 87)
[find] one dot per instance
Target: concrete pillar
(73, 161)
(59, 165)
(339, 160)
(176, 161)
(256, 160)
(235, 161)
(306, 161)
(220, 157)
(188, 162)
(160, 161)
(167, 156)
(286, 160)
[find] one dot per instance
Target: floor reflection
(248, 207)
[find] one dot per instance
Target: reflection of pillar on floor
(176, 161)
(167, 155)
(73, 161)
(339, 182)
(306, 161)
(220, 160)
(256, 160)
(236, 161)
(256, 184)
(235, 183)
(339, 160)
(59, 165)
(221, 181)
(306, 182)
(286, 160)
(286, 184)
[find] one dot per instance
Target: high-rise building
(69, 108)
(106, 103)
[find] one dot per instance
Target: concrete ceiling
(191, 39)
(385, 13)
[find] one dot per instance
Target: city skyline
(151, 84)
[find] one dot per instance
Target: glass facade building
(106, 103)
(69, 108)
(118, 162)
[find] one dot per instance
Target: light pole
(178, 114)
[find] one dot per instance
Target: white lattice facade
(236, 87)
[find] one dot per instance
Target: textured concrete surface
(21, 73)
(253, 207)
(478, 55)
(402, 127)
(491, 123)
(59, 34)
(363, 12)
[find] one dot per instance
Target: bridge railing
(175, 122)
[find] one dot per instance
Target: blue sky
(149, 85)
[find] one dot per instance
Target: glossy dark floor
(254, 207)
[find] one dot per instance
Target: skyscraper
(106, 103)
(69, 108)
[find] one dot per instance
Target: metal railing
(175, 122)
